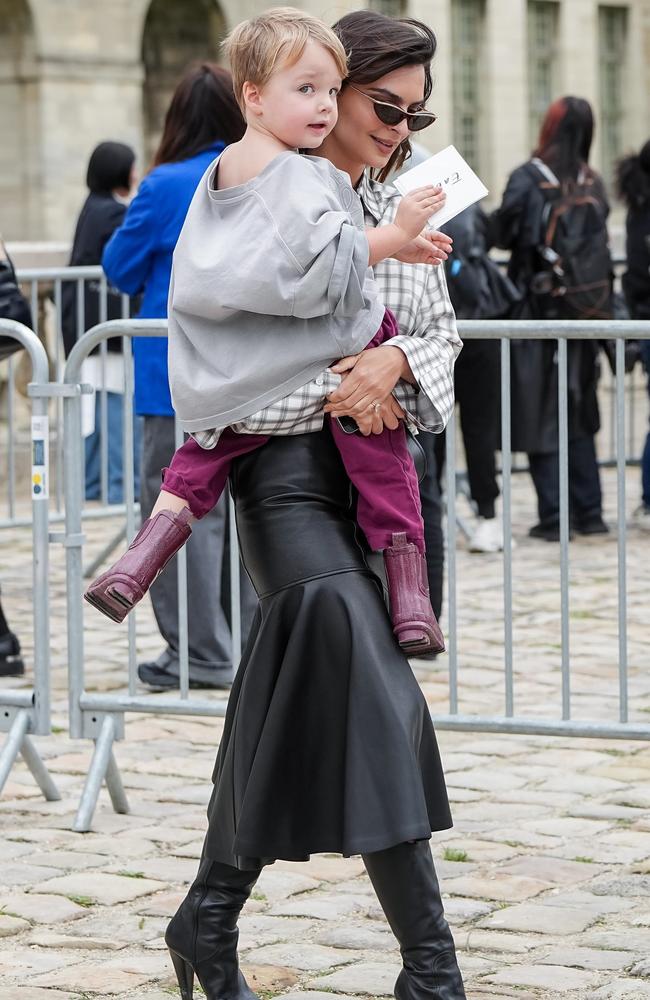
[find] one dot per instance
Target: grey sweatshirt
(270, 285)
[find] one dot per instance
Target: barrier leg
(115, 786)
(13, 745)
(107, 551)
(96, 774)
(41, 774)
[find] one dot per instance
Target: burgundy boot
(117, 591)
(414, 623)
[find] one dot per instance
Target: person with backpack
(478, 290)
(553, 218)
(633, 185)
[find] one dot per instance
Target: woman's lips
(386, 147)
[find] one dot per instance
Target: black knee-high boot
(407, 888)
(202, 935)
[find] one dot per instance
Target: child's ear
(252, 97)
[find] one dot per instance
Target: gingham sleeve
(418, 295)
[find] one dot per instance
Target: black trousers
(432, 516)
(478, 393)
(585, 497)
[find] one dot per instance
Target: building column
(505, 109)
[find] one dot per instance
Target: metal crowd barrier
(48, 282)
(510, 722)
(101, 716)
(26, 712)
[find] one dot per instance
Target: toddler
(270, 285)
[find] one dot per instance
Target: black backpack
(574, 274)
(478, 288)
(13, 304)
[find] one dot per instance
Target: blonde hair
(257, 48)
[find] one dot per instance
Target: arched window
(176, 34)
(19, 158)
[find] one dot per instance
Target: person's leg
(11, 662)
(202, 935)
(91, 458)
(584, 487)
(192, 486)
(405, 881)
(477, 392)
(382, 470)
(645, 460)
(432, 517)
(390, 515)
(115, 446)
(544, 471)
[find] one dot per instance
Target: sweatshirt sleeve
(314, 222)
(128, 254)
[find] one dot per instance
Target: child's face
(298, 104)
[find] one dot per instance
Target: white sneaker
(488, 535)
(641, 517)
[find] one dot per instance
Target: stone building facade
(75, 72)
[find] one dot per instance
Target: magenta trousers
(379, 466)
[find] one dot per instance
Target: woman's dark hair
(377, 45)
(203, 111)
(565, 137)
(633, 178)
(109, 167)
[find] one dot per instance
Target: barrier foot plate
(102, 767)
(18, 742)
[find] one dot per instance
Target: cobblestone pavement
(546, 874)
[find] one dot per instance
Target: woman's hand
(387, 415)
(368, 379)
(430, 247)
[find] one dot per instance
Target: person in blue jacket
(202, 118)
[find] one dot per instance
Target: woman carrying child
(328, 743)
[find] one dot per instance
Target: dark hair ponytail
(203, 111)
(377, 45)
(633, 178)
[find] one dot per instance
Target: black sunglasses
(390, 114)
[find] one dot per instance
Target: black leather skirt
(328, 744)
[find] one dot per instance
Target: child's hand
(416, 208)
(430, 247)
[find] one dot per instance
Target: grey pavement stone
(550, 870)
(558, 920)
(622, 989)
(76, 942)
(372, 978)
(371, 936)
(24, 874)
(305, 957)
(509, 888)
(100, 887)
(12, 925)
(41, 908)
(586, 958)
(322, 906)
(557, 979)
(258, 929)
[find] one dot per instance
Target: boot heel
(184, 974)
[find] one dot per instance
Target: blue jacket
(138, 259)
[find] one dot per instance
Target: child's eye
(334, 91)
(306, 88)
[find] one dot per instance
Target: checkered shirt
(417, 295)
